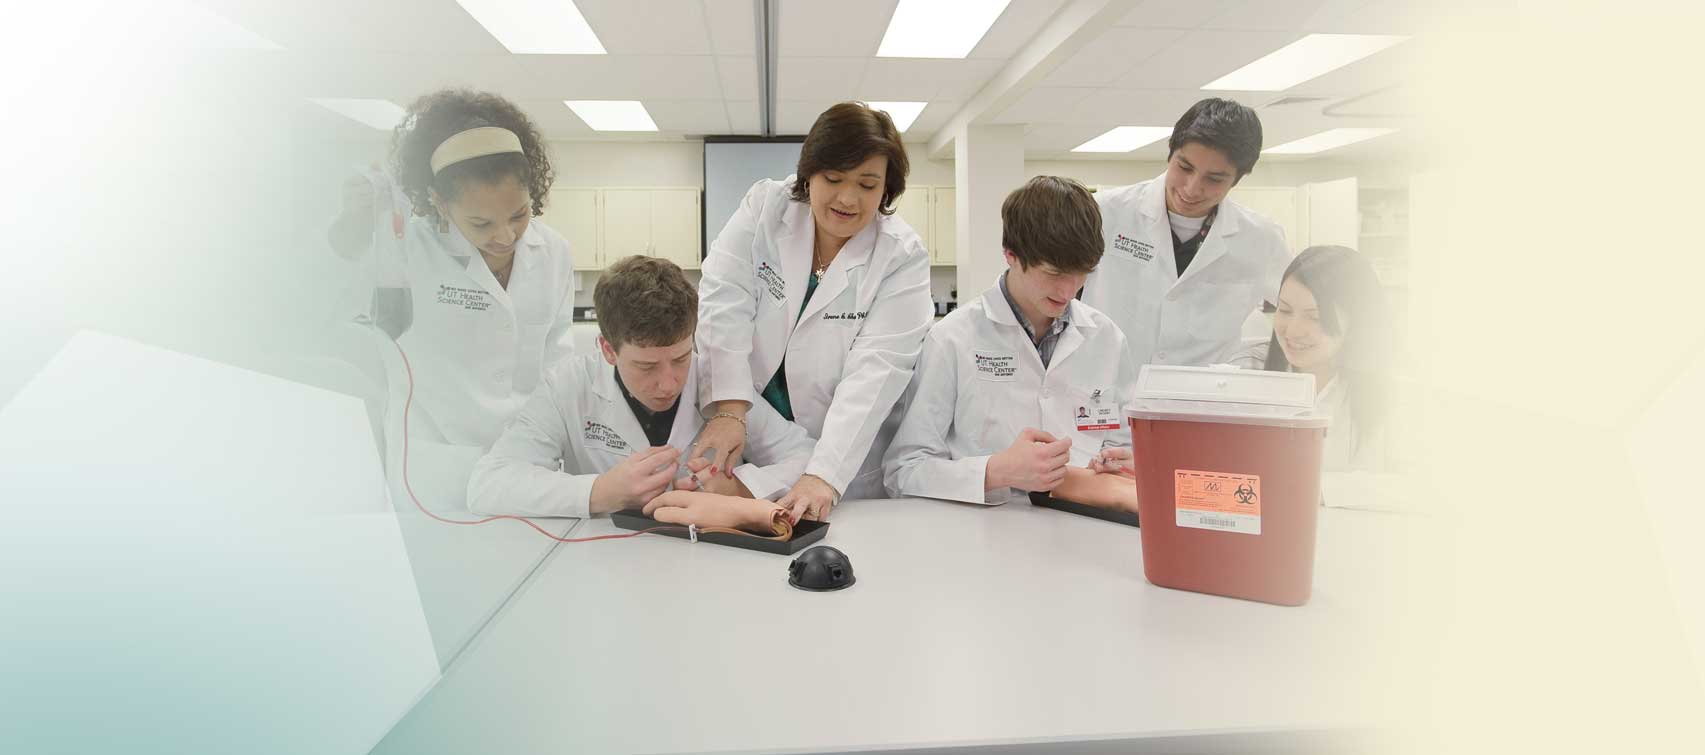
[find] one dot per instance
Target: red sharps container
(1228, 480)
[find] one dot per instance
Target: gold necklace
(820, 269)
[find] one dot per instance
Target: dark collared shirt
(1050, 339)
(655, 424)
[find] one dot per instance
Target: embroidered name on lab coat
(470, 299)
(997, 367)
(601, 434)
(772, 280)
(845, 315)
(1141, 251)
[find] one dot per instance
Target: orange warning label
(1218, 501)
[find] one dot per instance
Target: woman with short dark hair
(815, 299)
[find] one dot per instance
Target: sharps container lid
(1225, 394)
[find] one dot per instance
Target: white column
(988, 164)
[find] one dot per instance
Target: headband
(475, 142)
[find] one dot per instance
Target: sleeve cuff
(730, 380)
(822, 470)
(760, 482)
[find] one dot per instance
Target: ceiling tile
(903, 79)
(833, 28)
(689, 116)
(743, 117)
(555, 120)
(1386, 68)
(438, 27)
(1381, 17)
(963, 78)
(1291, 15)
(794, 117)
(1124, 107)
(1177, 14)
(1014, 29)
(1109, 56)
(732, 28)
(1059, 137)
(638, 77)
(1202, 56)
(1043, 104)
(834, 79)
(933, 117)
(648, 27)
(739, 77)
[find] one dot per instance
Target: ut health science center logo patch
(1141, 251)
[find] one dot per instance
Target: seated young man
(1023, 389)
(607, 431)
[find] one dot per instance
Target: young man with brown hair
(1022, 389)
(608, 431)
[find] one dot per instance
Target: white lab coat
(849, 355)
(476, 349)
(578, 426)
(979, 382)
(1194, 320)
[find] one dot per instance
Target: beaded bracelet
(735, 417)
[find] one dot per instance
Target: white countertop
(1011, 625)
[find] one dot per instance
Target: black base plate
(1083, 509)
(804, 534)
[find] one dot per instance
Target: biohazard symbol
(1245, 494)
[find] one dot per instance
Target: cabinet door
(626, 223)
(675, 226)
(913, 207)
(1333, 214)
(1275, 203)
(574, 214)
(945, 220)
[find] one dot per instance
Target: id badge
(1096, 416)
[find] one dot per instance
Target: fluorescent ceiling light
(938, 28)
(380, 114)
(613, 115)
(1302, 60)
(903, 113)
(536, 26)
(1325, 140)
(1125, 139)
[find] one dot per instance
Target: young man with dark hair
(1021, 390)
(1185, 267)
(607, 431)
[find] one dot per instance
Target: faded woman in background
(1332, 322)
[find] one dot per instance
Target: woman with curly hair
(480, 294)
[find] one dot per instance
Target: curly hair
(645, 301)
(442, 114)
